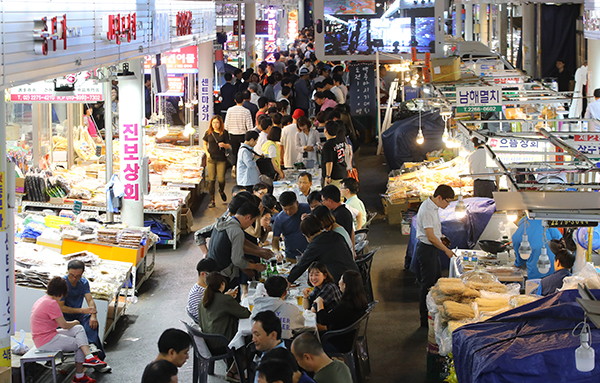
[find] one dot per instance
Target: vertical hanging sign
(130, 162)
(362, 92)
(2, 201)
(205, 106)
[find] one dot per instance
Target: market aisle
(397, 346)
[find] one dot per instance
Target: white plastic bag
(587, 275)
(20, 348)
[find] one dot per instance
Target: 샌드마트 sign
(478, 99)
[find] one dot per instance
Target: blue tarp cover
(399, 141)
(463, 233)
(532, 343)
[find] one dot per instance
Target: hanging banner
(205, 102)
(293, 25)
(130, 160)
(178, 61)
(470, 99)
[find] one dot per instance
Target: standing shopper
(247, 170)
(216, 142)
(302, 91)
(307, 142)
(50, 330)
(483, 186)
(429, 235)
(237, 122)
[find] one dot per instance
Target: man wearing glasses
(79, 288)
(430, 239)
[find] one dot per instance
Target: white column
(502, 25)
(593, 65)
(250, 27)
(7, 229)
(108, 129)
(300, 14)
(468, 22)
(205, 85)
(131, 143)
(528, 36)
(483, 24)
(458, 20)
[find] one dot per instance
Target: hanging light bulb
(585, 354)
(445, 136)
(511, 215)
(460, 210)
(188, 130)
(525, 247)
(420, 138)
(543, 263)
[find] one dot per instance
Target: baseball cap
(297, 114)
(303, 71)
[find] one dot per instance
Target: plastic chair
(359, 237)
(362, 346)
(359, 248)
(370, 217)
(364, 267)
(358, 328)
(204, 365)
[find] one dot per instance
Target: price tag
(98, 150)
(77, 205)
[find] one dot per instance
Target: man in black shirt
(228, 92)
(333, 160)
(331, 197)
(563, 76)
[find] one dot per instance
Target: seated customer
(71, 306)
(327, 219)
(283, 355)
(351, 307)
(288, 313)
(266, 334)
(349, 190)
(160, 371)
(314, 199)
(327, 247)
(274, 372)
(219, 313)
(204, 267)
(174, 346)
(46, 317)
(310, 356)
(324, 288)
(563, 262)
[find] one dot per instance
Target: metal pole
(7, 248)
(538, 40)
(377, 102)
(239, 31)
(458, 20)
(108, 139)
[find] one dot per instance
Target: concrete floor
(396, 343)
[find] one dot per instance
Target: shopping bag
(20, 348)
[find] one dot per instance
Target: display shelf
(175, 213)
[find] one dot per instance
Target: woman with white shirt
(307, 140)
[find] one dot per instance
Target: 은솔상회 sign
(478, 99)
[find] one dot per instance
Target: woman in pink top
(46, 317)
(88, 121)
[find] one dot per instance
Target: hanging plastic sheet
(399, 141)
(532, 343)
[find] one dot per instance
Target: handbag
(228, 153)
(265, 165)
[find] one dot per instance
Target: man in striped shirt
(237, 122)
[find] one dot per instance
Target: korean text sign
(478, 99)
(363, 89)
(130, 161)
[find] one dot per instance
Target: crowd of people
(317, 231)
(298, 108)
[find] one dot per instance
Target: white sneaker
(104, 369)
